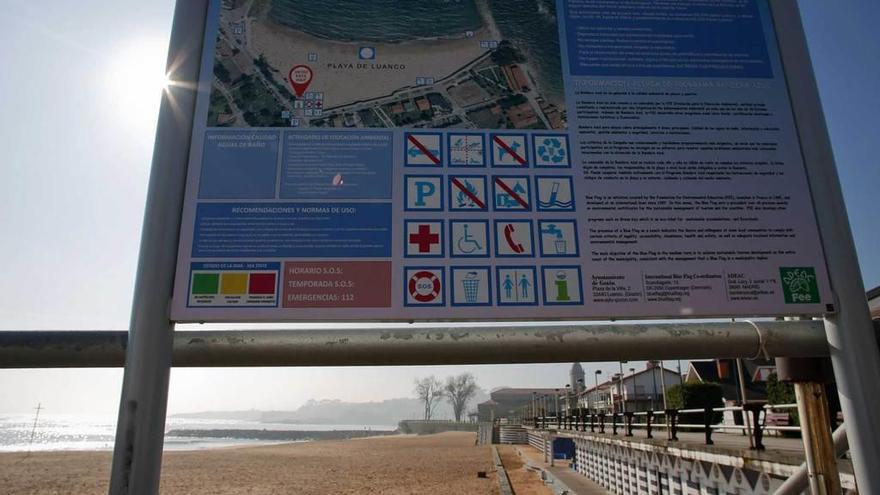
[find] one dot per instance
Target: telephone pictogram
(508, 236)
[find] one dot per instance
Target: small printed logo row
(472, 239)
(471, 193)
(470, 149)
(483, 286)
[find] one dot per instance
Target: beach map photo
(482, 64)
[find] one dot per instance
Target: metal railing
(754, 416)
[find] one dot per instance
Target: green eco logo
(799, 285)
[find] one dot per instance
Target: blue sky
(77, 130)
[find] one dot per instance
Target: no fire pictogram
(467, 192)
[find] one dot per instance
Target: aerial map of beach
(384, 63)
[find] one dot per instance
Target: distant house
(638, 391)
(874, 302)
(724, 373)
(522, 116)
(509, 402)
(516, 78)
(423, 104)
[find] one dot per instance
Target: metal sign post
(851, 338)
(140, 430)
(531, 222)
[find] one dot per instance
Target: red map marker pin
(300, 77)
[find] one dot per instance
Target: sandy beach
(343, 78)
(402, 464)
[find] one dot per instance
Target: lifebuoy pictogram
(419, 292)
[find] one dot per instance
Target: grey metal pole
(654, 390)
(853, 345)
(140, 430)
(556, 407)
(435, 345)
(799, 481)
(663, 384)
(747, 420)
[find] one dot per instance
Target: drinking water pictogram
(560, 245)
(558, 238)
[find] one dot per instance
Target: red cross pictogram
(424, 238)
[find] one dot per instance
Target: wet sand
(403, 464)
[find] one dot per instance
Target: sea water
(387, 21)
(57, 432)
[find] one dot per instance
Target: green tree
(696, 396)
(507, 54)
(782, 393)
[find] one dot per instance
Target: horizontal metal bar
(426, 346)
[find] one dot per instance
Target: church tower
(576, 373)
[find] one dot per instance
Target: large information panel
(495, 159)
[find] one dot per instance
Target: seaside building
(724, 373)
(522, 116)
(874, 302)
(508, 402)
(516, 78)
(637, 391)
(423, 104)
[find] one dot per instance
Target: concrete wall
(421, 427)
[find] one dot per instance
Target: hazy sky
(78, 93)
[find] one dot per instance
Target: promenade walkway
(577, 484)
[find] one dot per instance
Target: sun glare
(136, 78)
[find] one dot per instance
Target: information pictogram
(562, 285)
